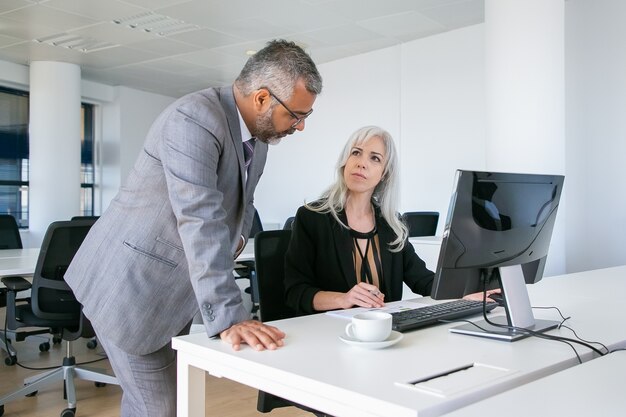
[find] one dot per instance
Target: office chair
(269, 254)
(245, 269)
(288, 223)
(9, 233)
(53, 305)
(10, 239)
(421, 223)
(93, 343)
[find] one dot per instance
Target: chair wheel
(100, 384)
(32, 394)
(44, 347)
(68, 412)
(10, 361)
(92, 344)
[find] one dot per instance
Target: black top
(320, 258)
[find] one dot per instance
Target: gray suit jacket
(166, 243)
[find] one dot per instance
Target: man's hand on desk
(254, 333)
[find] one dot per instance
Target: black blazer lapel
(343, 249)
(385, 235)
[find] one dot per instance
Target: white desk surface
(315, 368)
(247, 254)
(595, 388)
(18, 261)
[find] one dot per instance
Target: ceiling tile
(7, 5)
(9, 40)
(155, 4)
(26, 31)
(206, 38)
(457, 15)
(42, 15)
(115, 57)
(96, 9)
(402, 26)
(110, 32)
(164, 46)
(27, 52)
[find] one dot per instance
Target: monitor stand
(518, 311)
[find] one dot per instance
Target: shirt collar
(245, 133)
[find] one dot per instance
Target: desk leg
(190, 397)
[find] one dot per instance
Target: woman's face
(365, 166)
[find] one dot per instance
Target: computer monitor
(497, 235)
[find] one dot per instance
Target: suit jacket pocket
(151, 255)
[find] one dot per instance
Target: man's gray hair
(278, 66)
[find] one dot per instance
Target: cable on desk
(541, 335)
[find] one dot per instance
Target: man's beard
(265, 131)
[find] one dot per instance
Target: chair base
(6, 343)
(267, 402)
(68, 372)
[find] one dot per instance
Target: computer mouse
(498, 298)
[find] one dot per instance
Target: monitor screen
(498, 225)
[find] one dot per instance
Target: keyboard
(429, 315)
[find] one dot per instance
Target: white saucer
(393, 338)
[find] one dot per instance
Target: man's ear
(261, 100)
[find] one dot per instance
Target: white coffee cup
(371, 326)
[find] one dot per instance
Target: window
(14, 156)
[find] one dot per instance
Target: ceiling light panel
(155, 23)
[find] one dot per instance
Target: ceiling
(173, 47)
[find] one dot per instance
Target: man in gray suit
(166, 244)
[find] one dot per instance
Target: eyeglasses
(298, 119)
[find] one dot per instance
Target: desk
(595, 388)
(316, 369)
(247, 254)
(18, 261)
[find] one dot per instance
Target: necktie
(248, 150)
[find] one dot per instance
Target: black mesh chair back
(52, 298)
(288, 223)
(269, 255)
(9, 233)
(421, 223)
(270, 248)
(92, 218)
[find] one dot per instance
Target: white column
(55, 132)
(525, 100)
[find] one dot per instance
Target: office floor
(224, 398)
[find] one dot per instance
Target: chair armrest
(16, 284)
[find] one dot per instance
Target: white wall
(428, 94)
(361, 90)
(126, 121)
(443, 116)
(596, 133)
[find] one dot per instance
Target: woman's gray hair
(278, 66)
(386, 193)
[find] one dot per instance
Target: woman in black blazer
(350, 248)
